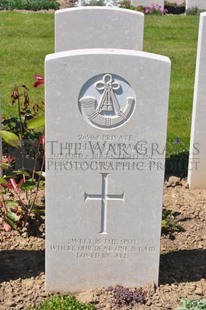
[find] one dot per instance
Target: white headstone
(199, 4)
(98, 27)
(106, 122)
(179, 2)
(147, 3)
(197, 159)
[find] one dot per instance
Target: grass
(27, 37)
(176, 37)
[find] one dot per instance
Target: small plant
(23, 166)
(63, 303)
(168, 224)
(125, 4)
(125, 296)
(155, 9)
(193, 305)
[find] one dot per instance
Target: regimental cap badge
(106, 101)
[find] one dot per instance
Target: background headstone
(106, 123)
(98, 27)
(199, 4)
(197, 159)
(179, 2)
(147, 3)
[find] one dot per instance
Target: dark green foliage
(177, 164)
(63, 303)
(33, 5)
(18, 125)
(168, 223)
(23, 163)
(29, 137)
(125, 296)
(174, 8)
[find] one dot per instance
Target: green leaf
(12, 216)
(2, 180)
(21, 171)
(36, 122)
(10, 222)
(10, 138)
(11, 203)
(40, 173)
(5, 166)
(8, 174)
(165, 224)
(28, 185)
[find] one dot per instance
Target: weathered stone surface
(98, 27)
(106, 120)
(197, 159)
(147, 3)
(199, 4)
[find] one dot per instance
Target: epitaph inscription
(106, 101)
(103, 248)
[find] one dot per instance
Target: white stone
(147, 3)
(197, 159)
(92, 3)
(199, 4)
(98, 27)
(106, 122)
(179, 2)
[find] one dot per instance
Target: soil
(182, 260)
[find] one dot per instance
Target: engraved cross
(104, 197)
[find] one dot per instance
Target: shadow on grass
(21, 264)
(177, 165)
(182, 266)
